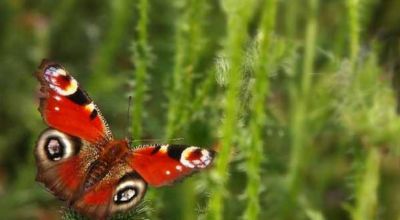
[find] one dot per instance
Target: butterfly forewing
(65, 106)
(164, 164)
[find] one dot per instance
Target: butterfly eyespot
(129, 192)
(55, 146)
(125, 195)
(54, 149)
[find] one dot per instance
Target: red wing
(62, 162)
(66, 106)
(163, 164)
(120, 190)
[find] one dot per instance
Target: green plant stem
(188, 49)
(202, 91)
(299, 99)
(366, 195)
(141, 58)
(291, 18)
(310, 44)
(258, 111)
(354, 30)
(188, 46)
(238, 13)
(175, 104)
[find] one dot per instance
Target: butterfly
(80, 162)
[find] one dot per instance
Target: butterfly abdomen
(97, 171)
(114, 153)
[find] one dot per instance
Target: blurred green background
(300, 97)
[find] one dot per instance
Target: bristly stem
(238, 13)
(367, 187)
(366, 191)
(189, 45)
(188, 48)
(141, 56)
(299, 99)
(354, 30)
(258, 111)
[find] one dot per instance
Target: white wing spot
(57, 108)
(178, 167)
(51, 74)
(202, 162)
(57, 98)
(167, 172)
(61, 72)
(53, 80)
(205, 158)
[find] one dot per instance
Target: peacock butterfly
(79, 160)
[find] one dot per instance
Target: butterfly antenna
(157, 140)
(128, 127)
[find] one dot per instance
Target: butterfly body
(114, 153)
(79, 160)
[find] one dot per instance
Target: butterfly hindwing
(62, 162)
(121, 190)
(164, 164)
(95, 182)
(65, 106)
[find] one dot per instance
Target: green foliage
(141, 59)
(299, 98)
(238, 14)
(140, 212)
(366, 194)
(299, 103)
(257, 120)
